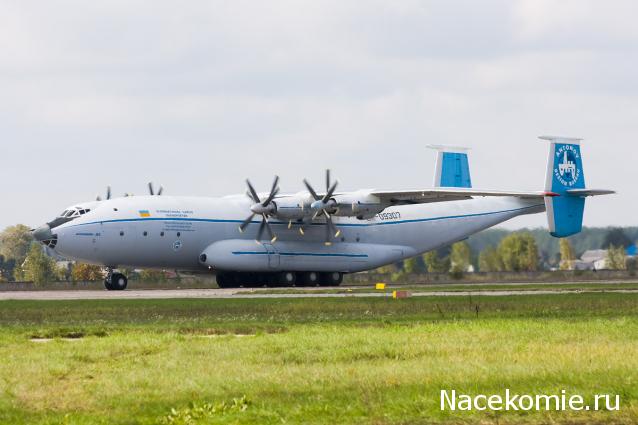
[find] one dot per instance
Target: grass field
(338, 360)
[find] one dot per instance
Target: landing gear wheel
(107, 285)
(309, 279)
(331, 279)
(287, 278)
(118, 282)
(223, 280)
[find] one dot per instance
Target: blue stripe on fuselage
(213, 220)
(308, 254)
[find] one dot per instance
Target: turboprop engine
(361, 204)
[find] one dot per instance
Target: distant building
(596, 259)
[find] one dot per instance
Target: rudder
(452, 167)
(564, 173)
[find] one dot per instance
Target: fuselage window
(121, 233)
(178, 234)
(145, 233)
(161, 233)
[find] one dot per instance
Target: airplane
(309, 237)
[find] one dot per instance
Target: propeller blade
(274, 184)
(273, 238)
(327, 179)
(98, 198)
(301, 231)
(271, 196)
(330, 192)
(253, 193)
(246, 222)
(260, 232)
(273, 192)
(150, 188)
(311, 190)
(332, 229)
(289, 224)
(161, 189)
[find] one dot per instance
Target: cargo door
(273, 256)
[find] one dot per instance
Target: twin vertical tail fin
(452, 167)
(565, 186)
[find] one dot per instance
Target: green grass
(342, 360)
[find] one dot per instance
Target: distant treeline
(589, 238)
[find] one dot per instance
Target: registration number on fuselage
(390, 215)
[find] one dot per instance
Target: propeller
(263, 208)
(323, 206)
(152, 192)
(108, 194)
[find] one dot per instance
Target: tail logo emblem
(565, 170)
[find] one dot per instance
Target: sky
(200, 95)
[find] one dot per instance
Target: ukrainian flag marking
(144, 213)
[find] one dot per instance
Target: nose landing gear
(115, 281)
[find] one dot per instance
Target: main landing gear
(115, 281)
(280, 279)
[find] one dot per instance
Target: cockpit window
(74, 212)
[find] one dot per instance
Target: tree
(435, 264)
(490, 261)
(82, 272)
(616, 258)
(38, 267)
(15, 242)
(460, 257)
(566, 255)
(387, 269)
(616, 237)
(519, 252)
(149, 275)
(410, 266)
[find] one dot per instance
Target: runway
(241, 293)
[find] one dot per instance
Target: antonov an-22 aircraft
(310, 237)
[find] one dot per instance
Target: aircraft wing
(446, 194)
(402, 197)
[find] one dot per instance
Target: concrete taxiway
(240, 293)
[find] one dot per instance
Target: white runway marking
(149, 294)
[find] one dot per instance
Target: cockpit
(44, 233)
(74, 212)
(68, 215)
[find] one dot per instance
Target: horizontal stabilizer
(589, 192)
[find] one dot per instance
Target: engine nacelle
(294, 207)
(360, 204)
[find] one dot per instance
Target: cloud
(200, 95)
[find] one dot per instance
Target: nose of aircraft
(42, 233)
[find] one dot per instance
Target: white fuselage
(198, 234)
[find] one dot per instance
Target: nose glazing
(44, 235)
